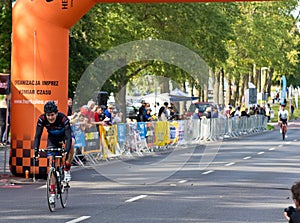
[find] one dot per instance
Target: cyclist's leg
(50, 160)
(285, 125)
(280, 126)
(71, 154)
(69, 161)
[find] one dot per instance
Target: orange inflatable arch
(40, 54)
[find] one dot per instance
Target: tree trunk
(205, 91)
(164, 85)
(269, 80)
(228, 89)
(216, 87)
(221, 95)
(237, 89)
(256, 78)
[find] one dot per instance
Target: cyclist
(283, 116)
(292, 214)
(59, 130)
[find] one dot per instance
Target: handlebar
(53, 149)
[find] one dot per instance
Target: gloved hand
(66, 155)
(36, 152)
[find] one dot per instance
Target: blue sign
(283, 89)
(142, 130)
(121, 133)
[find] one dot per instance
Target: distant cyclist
(283, 116)
(59, 130)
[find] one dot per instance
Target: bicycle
(56, 177)
(283, 127)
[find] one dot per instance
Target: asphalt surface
(245, 179)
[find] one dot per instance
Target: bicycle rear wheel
(64, 191)
(283, 132)
(51, 179)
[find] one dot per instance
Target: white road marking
(260, 153)
(136, 198)
(82, 218)
(173, 185)
(207, 172)
(247, 157)
(182, 181)
(288, 143)
(230, 164)
(280, 145)
(295, 140)
(43, 187)
(272, 149)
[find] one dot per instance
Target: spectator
(6, 135)
(99, 114)
(207, 113)
(172, 113)
(231, 111)
(251, 112)
(117, 117)
(237, 113)
(109, 114)
(292, 109)
(70, 102)
(244, 113)
(260, 110)
(196, 114)
(3, 113)
(100, 117)
(215, 112)
(148, 116)
(162, 114)
(142, 112)
(268, 112)
(167, 110)
(91, 113)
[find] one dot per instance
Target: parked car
(202, 106)
(131, 112)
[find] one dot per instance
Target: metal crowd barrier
(126, 140)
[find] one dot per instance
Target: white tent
(178, 95)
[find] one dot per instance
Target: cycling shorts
(51, 153)
(284, 121)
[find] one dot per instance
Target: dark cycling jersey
(295, 217)
(59, 131)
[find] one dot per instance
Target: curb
(6, 179)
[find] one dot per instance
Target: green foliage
(233, 36)
(5, 42)
(270, 127)
(229, 36)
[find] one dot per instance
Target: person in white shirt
(283, 116)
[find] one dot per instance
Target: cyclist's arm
(38, 134)
(68, 135)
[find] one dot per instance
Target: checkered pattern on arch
(21, 154)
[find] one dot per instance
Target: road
(245, 179)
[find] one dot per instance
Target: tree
(5, 40)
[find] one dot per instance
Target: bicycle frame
(55, 178)
(283, 127)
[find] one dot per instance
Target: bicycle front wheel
(283, 132)
(64, 192)
(51, 180)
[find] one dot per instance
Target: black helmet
(50, 107)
